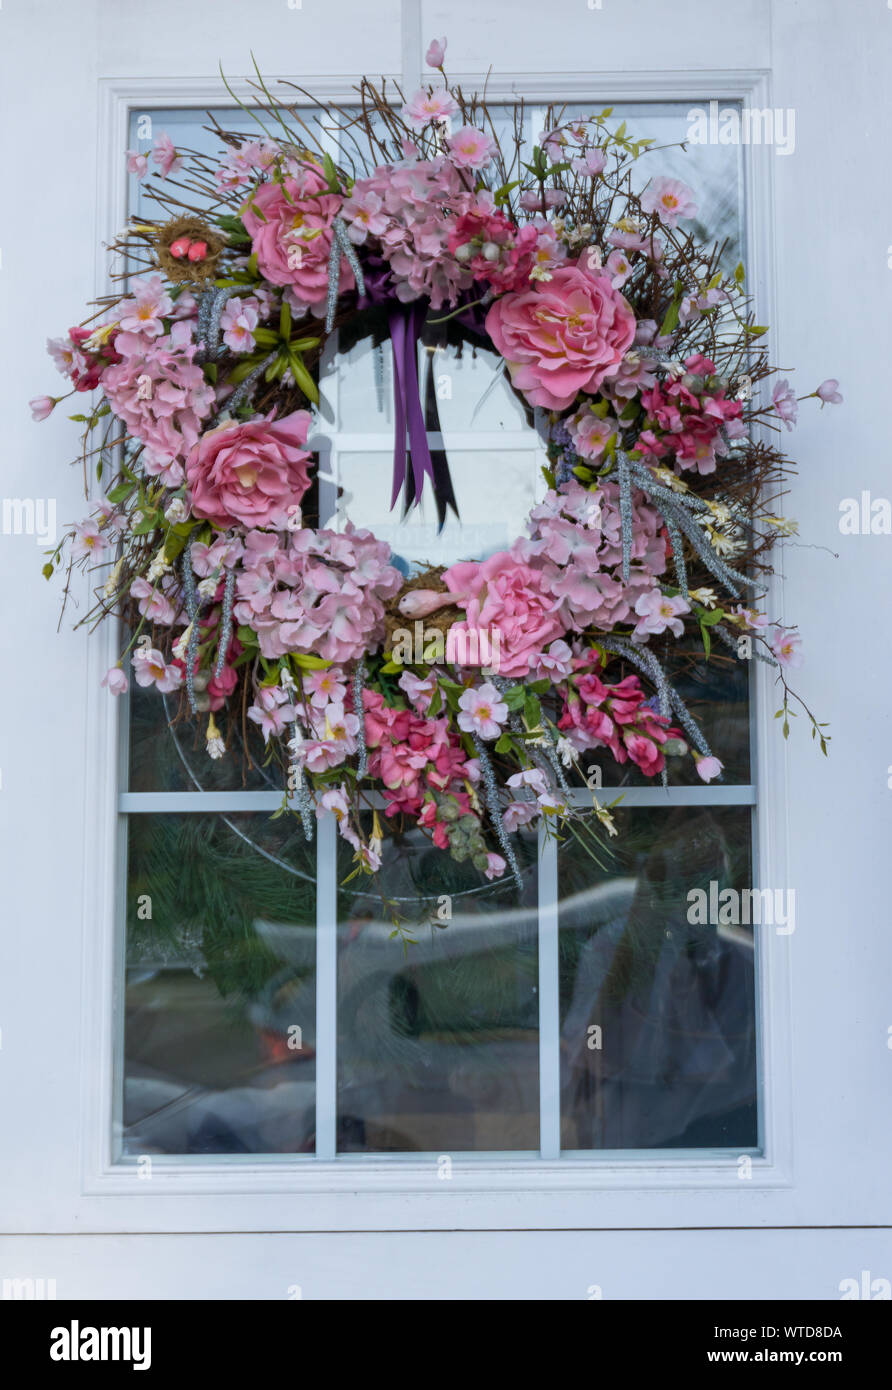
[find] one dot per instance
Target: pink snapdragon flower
(670, 198)
(483, 711)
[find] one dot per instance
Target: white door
(562, 1101)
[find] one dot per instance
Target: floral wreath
(631, 347)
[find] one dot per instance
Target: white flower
(208, 587)
(160, 565)
(111, 584)
(176, 511)
(182, 642)
(566, 752)
(215, 745)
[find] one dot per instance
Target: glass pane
(658, 1021)
(437, 1044)
(220, 992)
(495, 492)
(173, 758)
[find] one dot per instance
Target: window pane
(220, 1003)
(437, 1045)
(658, 1023)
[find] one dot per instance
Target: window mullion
(326, 987)
(549, 1002)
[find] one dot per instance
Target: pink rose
(505, 594)
(250, 473)
(563, 335)
(291, 234)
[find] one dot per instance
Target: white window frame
(329, 1191)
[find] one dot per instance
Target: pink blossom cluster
(317, 592)
(410, 208)
(493, 248)
(82, 365)
(162, 396)
(686, 417)
(615, 717)
(415, 756)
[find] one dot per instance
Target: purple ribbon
(405, 332)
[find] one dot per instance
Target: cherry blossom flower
(786, 644)
(42, 406)
(88, 540)
(436, 53)
(137, 163)
(829, 392)
(165, 156)
(144, 311)
(424, 107)
(471, 148)
(238, 321)
(495, 865)
(670, 198)
(115, 680)
(657, 612)
(150, 668)
(707, 767)
(483, 711)
(785, 403)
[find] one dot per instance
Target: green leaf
(532, 712)
(755, 330)
(503, 744)
(210, 372)
(47, 570)
(310, 663)
(707, 640)
(302, 378)
(120, 493)
(739, 273)
(247, 636)
(514, 698)
(331, 173)
(390, 668)
(284, 320)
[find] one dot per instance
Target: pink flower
(290, 225)
(250, 473)
(591, 164)
(532, 777)
(505, 594)
(483, 711)
(42, 406)
(471, 148)
(88, 540)
(670, 198)
(590, 434)
(785, 403)
(562, 336)
(420, 692)
(162, 396)
(436, 53)
(137, 163)
(495, 865)
(657, 612)
(165, 156)
(707, 767)
(238, 321)
(619, 269)
(150, 668)
(829, 392)
(115, 681)
(325, 687)
(149, 304)
(555, 664)
(518, 813)
(424, 107)
(364, 212)
(152, 603)
(785, 643)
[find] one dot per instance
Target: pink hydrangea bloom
(506, 594)
(160, 394)
(562, 336)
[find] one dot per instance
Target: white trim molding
(609, 1189)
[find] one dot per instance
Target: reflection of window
(589, 1016)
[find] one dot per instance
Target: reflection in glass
(437, 1045)
(658, 1029)
(219, 1004)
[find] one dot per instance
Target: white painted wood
(817, 237)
